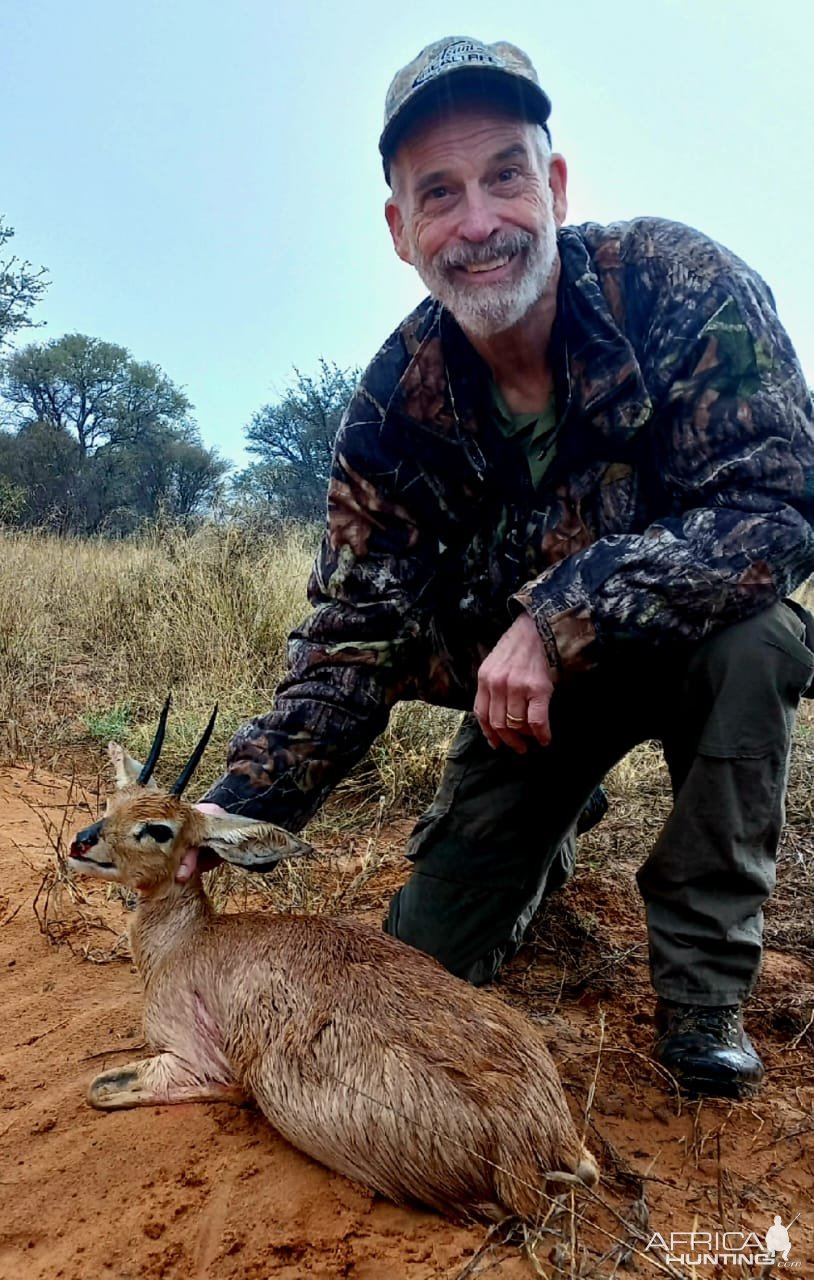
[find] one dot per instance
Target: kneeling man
(570, 496)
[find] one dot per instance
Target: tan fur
(360, 1050)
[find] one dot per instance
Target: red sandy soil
(199, 1191)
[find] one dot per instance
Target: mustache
(503, 244)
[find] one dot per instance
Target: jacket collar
(438, 386)
(604, 381)
(596, 371)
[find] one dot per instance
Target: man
(572, 492)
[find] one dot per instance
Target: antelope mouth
(79, 855)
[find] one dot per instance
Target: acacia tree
(293, 441)
(21, 288)
(137, 450)
(168, 473)
(41, 465)
(92, 388)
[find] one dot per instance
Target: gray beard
(485, 310)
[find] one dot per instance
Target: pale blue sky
(202, 180)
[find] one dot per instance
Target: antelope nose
(84, 840)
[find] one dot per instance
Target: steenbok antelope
(360, 1050)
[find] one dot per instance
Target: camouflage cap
(458, 67)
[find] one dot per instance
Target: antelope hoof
(115, 1090)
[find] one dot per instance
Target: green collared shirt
(534, 432)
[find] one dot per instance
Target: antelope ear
(255, 846)
(126, 768)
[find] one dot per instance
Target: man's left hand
(515, 688)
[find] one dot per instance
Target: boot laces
(722, 1022)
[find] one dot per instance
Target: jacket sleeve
(730, 449)
(353, 656)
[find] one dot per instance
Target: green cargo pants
(499, 835)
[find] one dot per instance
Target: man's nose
(479, 217)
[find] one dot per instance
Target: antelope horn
(155, 750)
(191, 765)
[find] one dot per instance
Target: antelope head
(145, 832)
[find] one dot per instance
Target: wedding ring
(514, 719)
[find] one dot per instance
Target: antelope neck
(164, 920)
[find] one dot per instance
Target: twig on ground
(107, 1053)
(792, 1044)
(57, 1026)
(719, 1182)
(486, 1246)
(784, 1137)
(8, 918)
(592, 1088)
(654, 1066)
(582, 979)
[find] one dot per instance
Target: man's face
(475, 209)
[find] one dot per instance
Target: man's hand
(515, 688)
(193, 859)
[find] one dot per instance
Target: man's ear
(256, 846)
(558, 181)
(395, 222)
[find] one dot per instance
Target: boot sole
(709, 1087)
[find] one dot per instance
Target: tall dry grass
(94, 634)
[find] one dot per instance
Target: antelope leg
(156, 1081)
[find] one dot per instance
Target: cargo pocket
(483, 827)
(755, 673)
(463, 752)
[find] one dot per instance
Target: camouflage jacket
(680, 499)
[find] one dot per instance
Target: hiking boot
(707, 1049)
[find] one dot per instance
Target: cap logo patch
(455, 55)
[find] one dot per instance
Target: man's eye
(508, 175)
(437, 193)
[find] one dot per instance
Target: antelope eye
(157, 831)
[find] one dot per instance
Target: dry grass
(805, 594)
(94, 634)
(96, 631)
